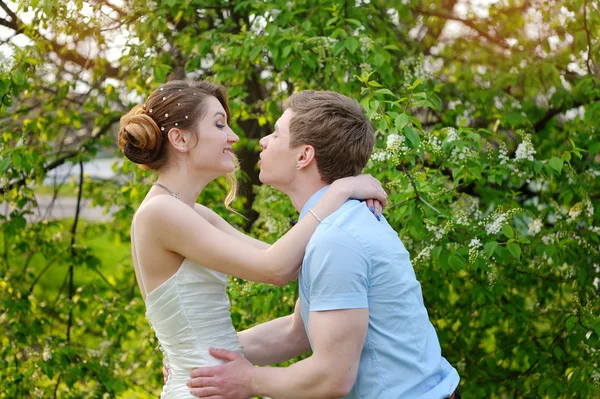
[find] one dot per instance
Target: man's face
(277, 161)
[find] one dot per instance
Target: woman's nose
(232, 137)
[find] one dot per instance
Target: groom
(361, 309)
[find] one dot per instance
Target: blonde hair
(178, 103)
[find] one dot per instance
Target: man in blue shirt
(361, 308)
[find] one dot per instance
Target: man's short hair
(338, 129)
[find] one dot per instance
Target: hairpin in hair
(176, 124)
(162, 128)
(164, 98)
(161, 89)
(166, 115)
(150, 110)
(186, 117)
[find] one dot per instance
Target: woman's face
(213, 151)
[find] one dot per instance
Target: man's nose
(263, 142)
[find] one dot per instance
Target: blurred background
(487, 141)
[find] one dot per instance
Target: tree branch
(467, 22)
(60, 49)
(589, 40)
(56, 163)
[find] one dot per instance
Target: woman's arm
(178, 228)
(213, 218)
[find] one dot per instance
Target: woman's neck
(188, 187)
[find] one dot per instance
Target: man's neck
(301, 192)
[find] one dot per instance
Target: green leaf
(490, 247)
(456, 262)
(17, 77)
(4, 163)
(160, 72)
(384, 91)
(286, 51)
(352, 44)
(508, 231)
(412, 136)
(515, 250)
(337, 49)
(556, 164)
(401, 121)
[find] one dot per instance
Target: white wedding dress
(189, 313)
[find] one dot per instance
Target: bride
(182, 251)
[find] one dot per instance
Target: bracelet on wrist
(315, 215)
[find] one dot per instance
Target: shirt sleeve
(338, 274)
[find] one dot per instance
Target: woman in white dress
(182, 251)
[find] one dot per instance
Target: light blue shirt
(354, 261)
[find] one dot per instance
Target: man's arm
(275, 341)
(337, 336)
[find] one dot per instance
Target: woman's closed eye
(220, 125)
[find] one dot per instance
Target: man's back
(355, 261)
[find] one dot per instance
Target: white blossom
(535, 227)
(452, 135)
(496, 224)
(503, 154)
(425, 254)
(575, 211)
(380, 156)
(396, 143)
(463, 154)
(475, 243)
(525, 149)
(46, 354)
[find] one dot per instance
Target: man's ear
(306, 157)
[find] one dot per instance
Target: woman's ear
(305, 157)
(178, 139)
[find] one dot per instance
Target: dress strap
(137, 256)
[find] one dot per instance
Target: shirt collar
(312, 201)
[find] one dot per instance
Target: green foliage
(487, 141)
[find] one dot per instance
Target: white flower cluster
(366, 67)
(380, 156)
(525, 149)
(497, 219)
(466, 208)
(413, 69)
(474, 251)
(271, 225)
(575, 211)
(432, 143)
(475, 243)
(396, 144)
(503, 153)
(366, 43)
(463, 154)
(439, 233)
(461, 218)
(452, 135)
(424, 255)
(535, 227)
(47, 353)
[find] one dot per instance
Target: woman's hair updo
(176, 104)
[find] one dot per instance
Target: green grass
(113, 254)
